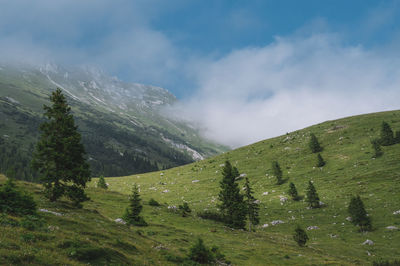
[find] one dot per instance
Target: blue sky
(248, 63)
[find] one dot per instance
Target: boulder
(368, 242)
(313, 227)
(120, 221)
(275, 222)
(392, 227)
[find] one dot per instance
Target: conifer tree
(60, 156)
(132, 212)
(276, 169)
(232, 206)
(397, 137)
(358, 214)
(102, 183)
(312, 196)
(252, 206)
(320, 161)
(235, 172)
(314, 144)
(293, 191)
(300, 236)
(387, 137)
(377, 148)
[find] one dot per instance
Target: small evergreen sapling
(277, 171)
(132, 212)
(377, 148)
(102, 183)
(252, 205)
(314, 144)
(293, 191)
(300, 236)
(312, 196)
(320, 162)
(200, 253)
(387, 137)
(358, 214)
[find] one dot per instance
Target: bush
(300, 236)
(184, 209)
(153, 202)
(211, 215)
(14, 201)
(102, 183)
(200, 253)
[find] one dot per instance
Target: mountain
(125, 127)
(90, 235)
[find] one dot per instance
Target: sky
(243, 71)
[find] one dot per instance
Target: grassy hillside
(350, 170)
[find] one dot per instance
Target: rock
(54, 213)
(165, 191)
(265, 193)
(172, 207)
(53, 228)
(243, 175)
(368, 242)
(275, 222)
(195, 181)
(313, 227)
(392, 227)
(273, 191)
(161, 173)
(321, 203)
(120, 221)
(257, 202)
(265, 225)
(333, 236)
(396, 212)
(283, 199)
(349, 219)
(222, 165)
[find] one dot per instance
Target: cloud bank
(256, 93)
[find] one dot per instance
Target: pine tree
(387, 137)
(312, 196)
(300, 236)
(232, 206)
(314, 144)
(184, 209)
(276, 169)
(200, 253)
(235, 172)
(60, 156)
(252, 206)
(377, 148)
(102, 183)
(358, 214)
(320, 161)
(397, 137)
(132, 212)
(293, 191)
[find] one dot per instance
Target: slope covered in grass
(350, 170)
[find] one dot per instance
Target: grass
(90, 235)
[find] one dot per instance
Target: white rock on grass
(120, 221)
(257, 202)
(265, 193)
(54, 213)
(349, 219)
(283, 199)
(392, 227)
(368, 242)
(195, 181)
(313, 227)
(275, 222)
(165, 191)
(243, 175)
(265, 225)
(396, 212)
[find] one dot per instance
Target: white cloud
(256, 93)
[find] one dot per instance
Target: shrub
(300, 236)
(184, 209)
(200, 253)
(320, 161)
(153, 202)
(211, 215)
(14, 201)
(102, 183)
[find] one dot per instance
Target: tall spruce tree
(312, 196)
(387, 137)
(252, 205)
(232, 206)
(132, 212)
(276, 169)
(293, 191)
(314, 144)
(60, 156)
(358, 214)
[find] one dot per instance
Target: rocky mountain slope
(124, 126)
